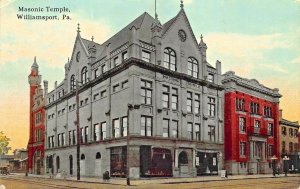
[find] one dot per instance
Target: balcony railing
(258, 131)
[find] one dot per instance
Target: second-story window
(84, 75)
(192, 67)
(170, 59)
(146, 126)
(211, 106)
(270, 129)
(190, 131)
(242, 148)
(166, 127)
(212, 133)
(146, 56)
(116, 128)
(72, 83)
(242, 124)
(146, 92)
(124, 126)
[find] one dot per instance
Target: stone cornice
(289, 123)
(251, 84)
(142, 64)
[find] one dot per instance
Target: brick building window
(146, 56)
(103, 130)
(283, 131)
(174, 99)
(96, 132)
(270, 129)
(242, 148)
(268, 111)
(170, 59)
(240, 104)
(296, 133)
(197, 132)
(270, 150)
(124, 126)
(242, 124)
(290, 132)
(146, 126)
(197, 104)
(116, 128)
(146, 92)
(254, 108)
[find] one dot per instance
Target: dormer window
(116, 61)
(146, 56)
(84, 75)
(210, 77)
(72, 83)
(170, 59)
(124, 55)
(193, 67)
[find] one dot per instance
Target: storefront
(118, 157)
(155, 162)
(207, 162)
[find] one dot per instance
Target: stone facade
(35, 145)
(251, 125)
(146, 94)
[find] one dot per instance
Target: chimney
(280, 113)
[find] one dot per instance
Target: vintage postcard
(149, 94)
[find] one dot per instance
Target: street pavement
(19, 181)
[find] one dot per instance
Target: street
(257, 183)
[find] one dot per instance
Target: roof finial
(181, 4)
(201, 37)
(155, 11)
(92, 38)
(78, 28)
(34, 59)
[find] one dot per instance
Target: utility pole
(130, 107)
(78, 130)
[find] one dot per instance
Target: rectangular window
(270, 129)
(96, 132)
(283, 131)
(212, 133)
(124, 55)
(146, 126)
(124, 84)
(190, 131)
(174, 99)
(254, 108)
(211, 106)
(70, 137)
(124, 126)
(210, 77)
(166, 128)
(52, 141)
(74, 137)
(242, 125)
(197, 104)
(189, 102)
(58, 140)
(116, 61)
(146, 56)
(290, 132)
(86, 134)
(49, 142)
(270, 150)
(146, 92)
(104, 68)
(242, 148)
(116, 87)
(96, 71)
(63, 139)
(103, 93)
(116, 128)
(96, 96)
(197, 131)
(81, 135)
(165, 96)
(174, 132)
(103, 130)
(240, 104)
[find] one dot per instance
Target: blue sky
(257, 39)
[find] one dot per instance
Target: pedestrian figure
(273, 159)
(285, 165)
(106, 176)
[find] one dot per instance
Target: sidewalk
(122, 181)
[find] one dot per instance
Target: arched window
(72, 83)
(170, 59)
(82, 157)
(98, 155)
(192, 67)
(84, 75)
(183, 158)
(57, 164)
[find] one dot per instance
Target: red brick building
(251, 125)
(37, 122)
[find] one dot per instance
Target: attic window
(210, 77)
(124, 55)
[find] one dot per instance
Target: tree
(4, 141)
